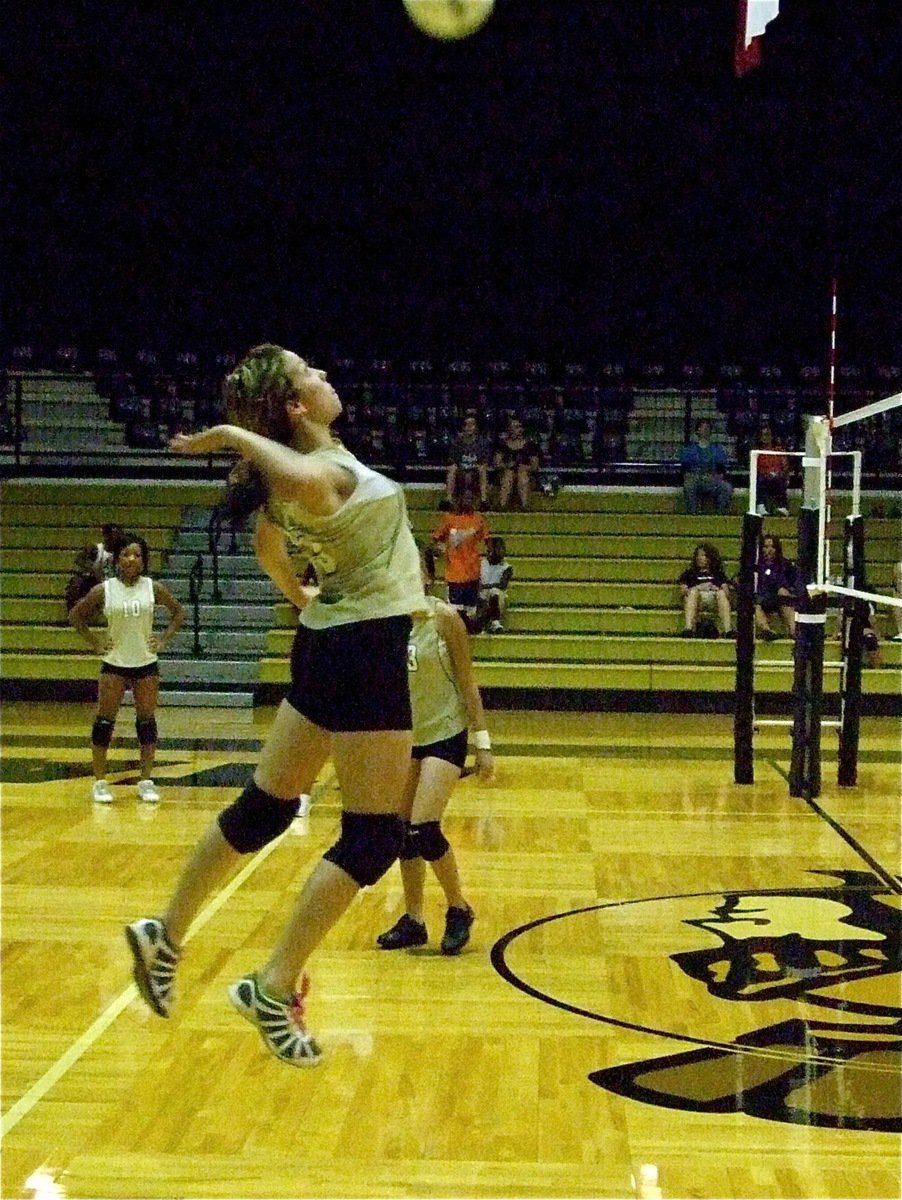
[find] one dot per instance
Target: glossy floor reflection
(674, 983)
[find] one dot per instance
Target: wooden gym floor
(667, 971)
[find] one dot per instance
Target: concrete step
(199, 699)
(218, 642)
(194, 541)
(225, 673)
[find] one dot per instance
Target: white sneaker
(496, 627)
(782, 512)
(897, 637)
(101, 793)
(762, 510)
(147, 792)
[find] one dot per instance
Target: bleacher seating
(593, 605)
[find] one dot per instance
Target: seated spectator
(772, 476)
(469, 464)
(495, 573)
(703, 586)
(517, 461)
(94, 563)
(775, 588)
(870, 641)
(460, 535)
(101, 556)
(705, 471)
(897, 592)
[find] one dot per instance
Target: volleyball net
(818, 582)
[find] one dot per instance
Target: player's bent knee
(408, 847)
(255, 819)
(102, 731)
(146, 729)
(431, 844)
(368, 845)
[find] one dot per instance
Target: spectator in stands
(445, 701)
(897, 592)
(776, 583)
(772, 475)
(106, 551)
(517, 462)
(704, 589)
(469, 465)
(495, 573)
(129, 649)
(460, 536)
(705, 471)
(94, 563)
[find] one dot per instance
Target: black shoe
(405, 932)
(687, 633)
(729, 633)
(767, 635)
(457, 929)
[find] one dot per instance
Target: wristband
(481, 740)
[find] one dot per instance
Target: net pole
(854, 622)
(811, 612)
(744, 711)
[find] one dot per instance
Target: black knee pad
(429, 840)
(255, 819)
(408, 849)
(102, 731)
(146, 729)
(368, 845)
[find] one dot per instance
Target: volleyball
(449, 20)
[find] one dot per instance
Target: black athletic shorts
(353, 677)
(464, 595)
(131, 673)
(452, 750)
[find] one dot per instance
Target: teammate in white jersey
(446, 701)
(349, 693)
(129, 648)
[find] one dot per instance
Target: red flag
(751, 18)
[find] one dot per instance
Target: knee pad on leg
(102, 731)
(408, 849)
(255, 819)
(368, 845)
(429, 840)
(146, 729)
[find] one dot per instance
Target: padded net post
(854, 623)
(808, 677)
(744, 712)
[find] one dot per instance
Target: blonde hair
(257, 391)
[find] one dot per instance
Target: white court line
(82, 1044)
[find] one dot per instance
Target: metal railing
(195, 584)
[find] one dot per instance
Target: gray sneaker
(155, 962)
(279, 1022)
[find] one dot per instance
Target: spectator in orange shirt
(773, 475)
(460, 535)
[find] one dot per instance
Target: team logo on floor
(789, 997)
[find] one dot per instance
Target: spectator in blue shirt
(705, 471)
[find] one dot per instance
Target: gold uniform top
(366, 560)
(439, 710)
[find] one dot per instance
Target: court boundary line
(891, 881)
(39, 1089)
